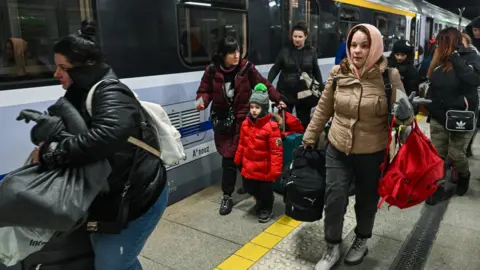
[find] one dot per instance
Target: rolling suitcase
(71, 252)
(290, 143)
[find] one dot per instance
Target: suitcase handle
(283, 116)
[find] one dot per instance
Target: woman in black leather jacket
(454, 75)
(116, 115)
(291, 62)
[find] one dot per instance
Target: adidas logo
(460, 125)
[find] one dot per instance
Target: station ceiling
(472, 7)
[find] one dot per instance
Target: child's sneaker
(265, 216)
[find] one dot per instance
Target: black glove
(29, 115)
(46, 128)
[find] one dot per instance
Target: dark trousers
(262, 191)
(364, 169)
(469, 149)
(229, 176)
(303, 113)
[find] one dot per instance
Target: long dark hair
(80, 48)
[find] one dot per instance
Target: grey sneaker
(329, 258)
(358, 250)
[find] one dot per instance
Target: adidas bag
(304, 185)
(171, 148)
(460, 121)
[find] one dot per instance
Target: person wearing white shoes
(357, 138)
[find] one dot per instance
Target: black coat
(116, 115)
(290, 63)
(448, 89)
(408, 74)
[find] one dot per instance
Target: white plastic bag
(16, 243)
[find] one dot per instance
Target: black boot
(226, 205)
(440, 195)
(462, 185)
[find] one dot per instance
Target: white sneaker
(358, 250)
(329, 258)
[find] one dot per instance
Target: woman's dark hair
(227, 45)
(80, 48)
(300, 26)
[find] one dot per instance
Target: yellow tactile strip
(252, 251)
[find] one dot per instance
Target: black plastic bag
(56, 199)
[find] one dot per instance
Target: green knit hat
(260, 96)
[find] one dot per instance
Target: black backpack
(304, 185)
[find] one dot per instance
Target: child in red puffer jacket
(260, 152)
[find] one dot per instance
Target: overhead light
(198, 4)
(272, 3)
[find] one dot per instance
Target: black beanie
(402, 46)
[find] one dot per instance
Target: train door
(201, 25)
(308, 12)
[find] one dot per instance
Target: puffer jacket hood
(291, 123)
(376, 48)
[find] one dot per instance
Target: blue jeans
(120, 251)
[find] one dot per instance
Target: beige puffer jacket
(359, 110)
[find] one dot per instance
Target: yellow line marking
(252, 252)
(260, 245)
(236, 262)
(266, 240)
(279, 229)
(288, 221)
(375, 6)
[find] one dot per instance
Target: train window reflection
(200, 29)
(28, 29)
(329, 36)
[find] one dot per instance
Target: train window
(349, 17)
(201, 27)
(28, 30)
(393, 28)
(329, 39)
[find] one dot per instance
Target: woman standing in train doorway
(227, 83)
(357, 138)
(290, 63)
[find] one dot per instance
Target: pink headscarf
(376, 48)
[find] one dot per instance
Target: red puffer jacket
(260, 151)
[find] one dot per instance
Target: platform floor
(192, 235)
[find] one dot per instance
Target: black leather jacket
(116, 115)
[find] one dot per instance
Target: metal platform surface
(192, 235)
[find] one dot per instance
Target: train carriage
(160, 49)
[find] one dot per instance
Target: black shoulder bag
(223, 120)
